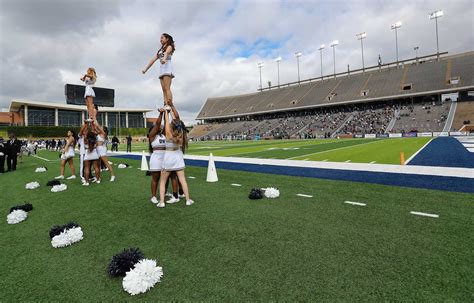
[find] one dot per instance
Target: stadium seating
(464, 114)
(390, 99)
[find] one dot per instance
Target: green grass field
(228, 248)
(382, 151)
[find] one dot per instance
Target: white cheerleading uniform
(167, 68)
(69, 153)
(157, 156)
(89, 91)
(91, 155)
(102, 149)
(174, 158)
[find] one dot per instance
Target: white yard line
(41, 158)
(191, 177)
(414, 155)
(424, 214)
(355, 203)
(236, 184)
(331, 150)
(303, 195)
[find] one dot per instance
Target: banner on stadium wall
(345, 136)
(370, 136)
(396, 135)
(409, 135)
(458, 133)
(443, 134)
(382, 135)
(358, 136)
(425, 135)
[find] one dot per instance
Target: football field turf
(226, 247)
(381, 151)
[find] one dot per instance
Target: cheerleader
(68, 156)
(89, 79)
(91, 157)
(157, 149)
(82, 149)
(102, 149)
(176, 143)
(164, 54)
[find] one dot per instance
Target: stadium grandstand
(416, 95)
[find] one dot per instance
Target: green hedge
(61, 131)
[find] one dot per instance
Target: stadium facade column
(26, 115)
(107, 119)
(144, 119)
(83, 116)
(126, 119)
(56, 117)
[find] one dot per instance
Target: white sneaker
(94, 179)
(189, 202)
(181, 196)
(71, 177)
(98, 181)
(59, 177)
(154, 200)
(85, 184)
(168, 194)
(172, 200)
(112, 179)
(160, 205)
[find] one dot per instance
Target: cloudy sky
(47, 43)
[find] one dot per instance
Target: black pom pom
(124, 261)
(53, 182)
(256, 193)
(57, 229)
(26, 207)
(148, 173)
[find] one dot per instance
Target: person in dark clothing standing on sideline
(115, 143)
(3, 152)
(13, 149)
(129, 144)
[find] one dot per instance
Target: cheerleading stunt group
(167, 138)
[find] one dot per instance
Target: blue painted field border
(453, 184)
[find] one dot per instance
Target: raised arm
(157, 127)
(174, 112)
(152, 61)
(83, 130)
(168, 131)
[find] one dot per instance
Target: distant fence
(407, 135)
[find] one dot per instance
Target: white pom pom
(142, 277)
(32, 185)
(67, 237)
(110, 162)
(17, 216)
(58, 188)
(271, 192)
(122, 165)
(40, 169)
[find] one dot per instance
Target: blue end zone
(408, 180)
(446, 152)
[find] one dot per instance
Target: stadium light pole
(260, 65)
(395, 26)
(321, 55)
(298, 55)
(277, 60)
(435, 15)
(416, 53)
(361, 37)
(333, 45)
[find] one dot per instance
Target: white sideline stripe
(424, 214)
(373, 162)
(303, 195)
(236, 184)
(330, 150)
(418, 151)
(41, 158)
(191, 177)
(355, 203)
(366, 167)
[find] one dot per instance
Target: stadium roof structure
(16, 105)
(422, 76)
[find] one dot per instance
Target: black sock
(175, 195)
